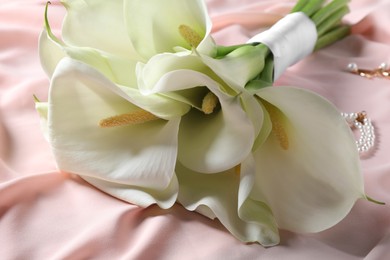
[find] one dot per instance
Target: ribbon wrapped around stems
(290, 40)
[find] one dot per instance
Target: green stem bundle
(327, 19)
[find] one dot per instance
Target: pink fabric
(45, 214)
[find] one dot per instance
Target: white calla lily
(153, 26)
(141, 156)
(205, 141)
(307, 170)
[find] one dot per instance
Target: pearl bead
(352, 67)
(383, 66)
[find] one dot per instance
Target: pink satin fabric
(46, 214)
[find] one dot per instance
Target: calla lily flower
(141, 107)
(304, 175)
(308, 169)
(157, 26)
(205, 139)
(134, 162)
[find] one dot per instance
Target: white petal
(154, 70)
(166, 74)
(160, 105)
(314, 183)
(264, 131)
(258, 116)
(255, 211)
(139, 155)
(98, 24)
(119, 69)
(153, 25)
(50, 52)
(215, 142)
(217, 195)
(137, 195)
(42, 108)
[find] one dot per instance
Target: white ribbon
(291, 39)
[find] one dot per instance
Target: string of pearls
(363, 124)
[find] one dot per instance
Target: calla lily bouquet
(146, 107)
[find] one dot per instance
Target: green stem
(327, 19)
(312, 7)
(36, 99)
(332, 36)
(328, 10)
(375, 201)
(299, 5)
(331, 21)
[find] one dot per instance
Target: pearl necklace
(363, 124)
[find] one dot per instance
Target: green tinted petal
(153, 26)
(97, 24)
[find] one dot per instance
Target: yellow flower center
(209, 103)
(278, 128)
(190, 35)
(237, 170)
(137, 117)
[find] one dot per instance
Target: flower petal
(218, 141)
(149, 74)
(160, 105)
(314, 183)
(97, 24)
(119, 69)
(42, 108)
(153, 25)
(266, 127)
(50, 52)
(136, 195)
(215, 142)
(216, 195)
(258, 116)
(255, 211)
(139, 155)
